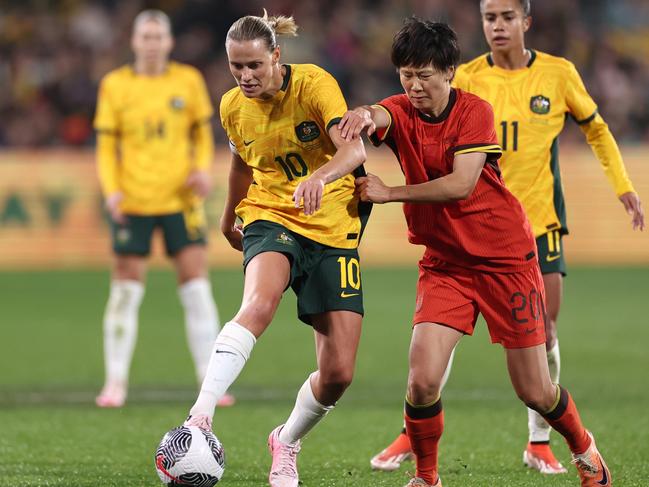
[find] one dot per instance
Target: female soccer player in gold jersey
(154, 150)
(281, 120)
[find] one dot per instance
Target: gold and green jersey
(161, 129)
(284, 140)
(530, 108)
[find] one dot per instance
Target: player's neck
(438, 106)
(276, 84)
(150, 69)
(513, 59)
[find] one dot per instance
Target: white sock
(306, 413)
(120, 328)
(201, 321)
(231, 351)
(539, 429)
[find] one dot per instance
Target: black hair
(526, 5)
(422, 42)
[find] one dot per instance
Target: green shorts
(551, 253)
(323, 278)
(134, 237)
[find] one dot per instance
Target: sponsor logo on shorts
(348, 295)
(123, 235)
(283, 238)
(552, 258)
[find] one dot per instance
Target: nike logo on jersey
(248, 142)
(552, 258)
(346, 295)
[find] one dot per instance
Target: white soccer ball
(190, 457)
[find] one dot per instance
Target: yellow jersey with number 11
(530, 108)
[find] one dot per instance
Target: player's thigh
(431, 346)
(513, 306)
(133, 237)
(271, 261)
(330, 281)
(530, 376)
(191, 263)
(337, 334)
(446, 296)
(182, 230)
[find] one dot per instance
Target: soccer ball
(189, 457)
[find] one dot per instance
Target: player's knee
(336, 379)
(536, 398)
(260, 308)
(422, 389)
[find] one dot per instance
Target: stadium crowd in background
(53, 54)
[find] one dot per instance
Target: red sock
(425, 425)
(565, 419)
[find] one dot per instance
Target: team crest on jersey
(540, 104)
(177, 103)
(307, 131)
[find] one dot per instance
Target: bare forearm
(239, 181)
(445, 189)
(347, 158)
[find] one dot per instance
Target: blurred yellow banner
(51, 213)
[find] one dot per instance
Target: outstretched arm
(458, 185)
(603, 144)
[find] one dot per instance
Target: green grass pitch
(51, 367)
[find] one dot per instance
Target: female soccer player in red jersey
(531, 92)
(480, 254)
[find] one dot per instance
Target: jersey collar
(490, 60)
(452, 97)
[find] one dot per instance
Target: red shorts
(513, 304)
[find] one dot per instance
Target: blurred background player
(480, 252)
(154, 151)
(281, 121)
(531, 92)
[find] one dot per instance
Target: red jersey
(488, 231)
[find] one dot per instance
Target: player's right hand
(112, 205)
(233, 233)
(354, 122)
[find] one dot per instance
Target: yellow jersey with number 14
(154, 120)
(530, 108)
(284, 140)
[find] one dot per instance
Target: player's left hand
(372, 189)
(633, 207)
(309, 194)
(200, 182)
